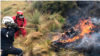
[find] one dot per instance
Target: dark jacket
(7, 36)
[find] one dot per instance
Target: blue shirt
(7, 36)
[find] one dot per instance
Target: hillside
(11, 7)
(37, 43)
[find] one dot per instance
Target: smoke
(88, 42)
(95, 21)
(84, 9)
(90, 45)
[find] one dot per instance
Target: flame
(84, 27)
(55, 38)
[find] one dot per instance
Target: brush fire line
(81, 37)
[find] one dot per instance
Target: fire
(55, 38)
(84, 27)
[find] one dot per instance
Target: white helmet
(7, 19)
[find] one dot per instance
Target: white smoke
(87, 42)
(95, 21)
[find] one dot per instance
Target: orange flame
(84, 27)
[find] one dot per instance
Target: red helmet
(20, 12)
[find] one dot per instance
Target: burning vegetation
(77, 32)
(83, 37)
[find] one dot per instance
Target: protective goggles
(20, 16)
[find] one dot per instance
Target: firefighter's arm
(25, 22)
(16, 29)
(15, 26)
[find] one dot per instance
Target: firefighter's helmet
(20, 12)
(7, 19)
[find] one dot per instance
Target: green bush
(53, 27)
(61, 19)
(58, 17)
(56, 22)
(36, 5)
(57, 6)
(35, 18)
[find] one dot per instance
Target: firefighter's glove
(14, 25)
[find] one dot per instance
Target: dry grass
(33, 48)
(15, 6)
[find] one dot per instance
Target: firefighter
(21, 22)
(7, 37)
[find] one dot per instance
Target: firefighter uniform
(21, 23)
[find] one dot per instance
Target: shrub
(55, 22)
(61, 19)
(53, 27)
(57, 6)
(35, 18)
(36, 5)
